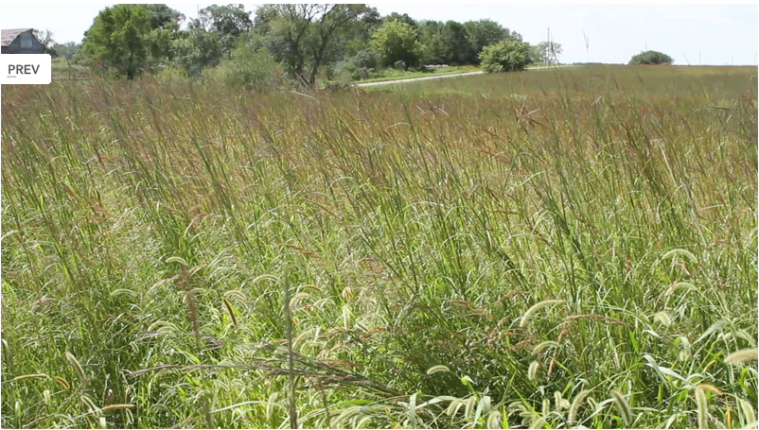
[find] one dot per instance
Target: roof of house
(9, 35)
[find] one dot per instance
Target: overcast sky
(691, 34)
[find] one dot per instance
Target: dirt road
(452, 75)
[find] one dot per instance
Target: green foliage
(226, 22)
(303, 36)
(396, 41)
(164, 17)
(460, 49)
(486, 32)
(505, 56)
(362, 65)
(651, 57)
(226, 19)
(197, 50)
(404, 18)
(311, 41)
(250, 66)
(128, 39)
(68, 51)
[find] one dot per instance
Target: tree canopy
(396, 41)
(301, 36)
(128, 39)
(309, 41)
(227, 22)
(651, 57)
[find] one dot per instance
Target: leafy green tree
(404, 18)
(506, 55)
(228, 21)
(303, 36)
(486, 32)
(196, 50)
(651, 57)
(396, 41)
(356, 36)
(431, 45)
(164, 17)
(128, 39)
(458, 49)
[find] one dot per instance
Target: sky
(717, 34)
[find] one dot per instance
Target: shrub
(507, 55)
(651, 57)
(400, 65)
(396, 41)
(360, 66)
(251, 66)
(367, 59)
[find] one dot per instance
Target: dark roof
(9, 35)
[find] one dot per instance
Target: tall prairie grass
(541, 249)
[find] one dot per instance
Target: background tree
(164, 17)
(356, 35)
(361, 65)
(505, 56)
(228, 21)
(486, 32)
(404, 18)
(431, 45)
(458, 49)
(67, 51)
(196, 50)
(301, 35)
(251, 66)
(124, 38)
(651, 57)
(396, 41)
(164, 25)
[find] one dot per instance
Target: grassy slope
(150, 225)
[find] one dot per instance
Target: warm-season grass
(559, 248)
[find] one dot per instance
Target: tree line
(303, 43)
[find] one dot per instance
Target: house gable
(21, 41)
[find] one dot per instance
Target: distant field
(545, 249)
(392, 74)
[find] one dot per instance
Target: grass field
(546, 249)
